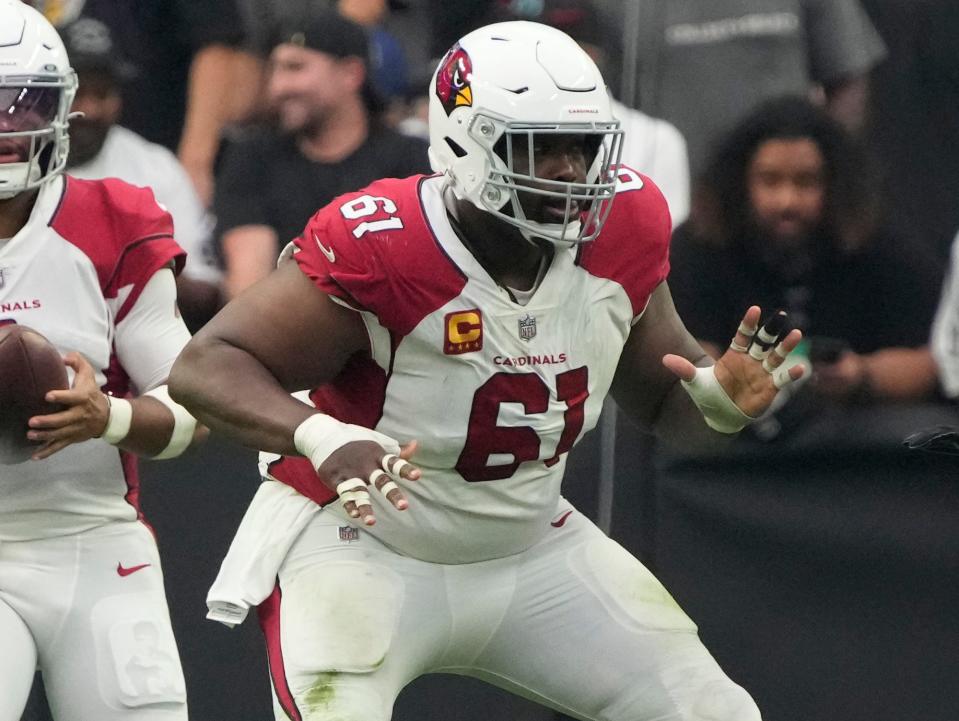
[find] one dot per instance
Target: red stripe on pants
(269, 614)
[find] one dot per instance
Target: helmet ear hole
(458, 150)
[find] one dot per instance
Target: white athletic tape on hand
(320, 435)
(375, 476)
(718, 409)
(767, 366)
(393, 464)
(781, 377)
(350, 484)
(766, 337)
(778, 350)
(360, 498)
(756, 351)
(388, 487)
(119, 420)
(748, 330)
(733, 345)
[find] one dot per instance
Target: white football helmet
(498, 88)
(37, 86)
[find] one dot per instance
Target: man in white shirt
(99, 148)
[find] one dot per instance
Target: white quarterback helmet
(493, 94)
(37, 87)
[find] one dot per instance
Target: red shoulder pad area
(122, 229)
(633, 247)
(375, 250)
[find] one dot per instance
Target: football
(30, 366)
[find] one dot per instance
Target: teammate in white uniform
(90, 265)
(484, 313)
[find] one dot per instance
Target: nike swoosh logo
(558, 523)
(328, 252)
(122, 572)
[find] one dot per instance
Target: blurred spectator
(945, 330)
(186, 78)
(788, 219)
(99, 148)
(705, 64)
(328, 141)
(387, 56)
(652, 146)
(389, 69)
(914, 115)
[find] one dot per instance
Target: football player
(90, 265)
(460, 332)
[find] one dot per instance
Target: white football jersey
(496, 392)
(72, 273)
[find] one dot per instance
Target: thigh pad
(339, 616)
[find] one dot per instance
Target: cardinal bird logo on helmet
(453, 80)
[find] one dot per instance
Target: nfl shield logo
(349, 534)
(527, 327)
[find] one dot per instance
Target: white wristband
(184, 424)
(320, 435)
(718, 409)
(119, 420)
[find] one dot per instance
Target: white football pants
(575, 623)
(90, 609)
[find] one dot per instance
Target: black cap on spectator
(328, 32)
(90, 48)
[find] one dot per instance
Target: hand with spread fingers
(356, 466)
(745, 380)
(85, 414)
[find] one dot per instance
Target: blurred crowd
(799, 143)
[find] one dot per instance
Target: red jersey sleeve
(375, 251)
(633, 247)
(127, 235)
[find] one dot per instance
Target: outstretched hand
(749, 371)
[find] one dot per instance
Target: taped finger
(781, 377)
(744, 336)
(395, 467)
(376, 477)
(771, 329)
(768, 364)
(388, 460)
(389, 487)
(757, 352)
(747, 330)
(350, 484)
(360, 498)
